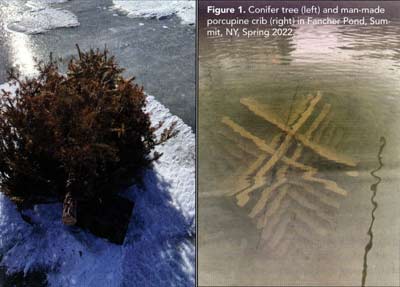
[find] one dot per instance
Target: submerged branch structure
(280, 188)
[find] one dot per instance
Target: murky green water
(357, 72)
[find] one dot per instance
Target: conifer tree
(84, 134)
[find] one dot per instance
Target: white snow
(8, 88)
(184, 9)
(43, 19)
(47, 2)
(44, 3)
(158, 250)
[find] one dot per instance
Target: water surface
(356, 70)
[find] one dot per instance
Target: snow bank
(43, 19)
(44, 3)
(159, 246)
(184, 9)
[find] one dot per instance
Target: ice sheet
(184, 9)
(43, 19)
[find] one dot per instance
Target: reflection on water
(374, 189)
(274, 110)
(22, 53)
(18, 45)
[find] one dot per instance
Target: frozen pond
(160, 53)
(159, 50)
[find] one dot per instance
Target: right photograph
(299, 143)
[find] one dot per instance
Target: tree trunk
(69, 216)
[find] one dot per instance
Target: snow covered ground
(184, 9)
(39, 17)
(43, 3)
(158, 249)
(43, 19)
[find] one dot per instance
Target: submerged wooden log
(274, 206)
(243, 145)
(282, 200)
(244, 181)
(325, 152)
(283, 148)
(323, 198)
(69, 216)
(262, 145)
(268, 230)
(281, 151)
(297, 154)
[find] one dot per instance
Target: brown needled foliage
(84, 133)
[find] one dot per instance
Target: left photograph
(97, 143)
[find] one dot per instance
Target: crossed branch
(255, 177)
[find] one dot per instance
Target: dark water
(356, 70)
(162, 59)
